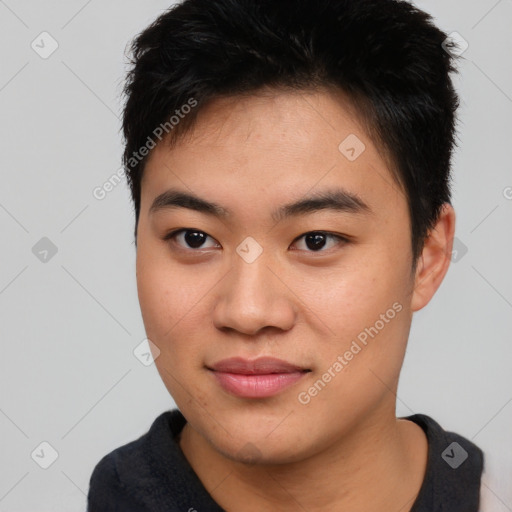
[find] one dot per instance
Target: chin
(255, 449)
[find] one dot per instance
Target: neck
(377, 466)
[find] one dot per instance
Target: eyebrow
(333, 199)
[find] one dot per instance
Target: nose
(253, 297)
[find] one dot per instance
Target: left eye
(315, 241)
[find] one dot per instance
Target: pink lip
(258, 378)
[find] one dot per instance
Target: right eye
(190, 239)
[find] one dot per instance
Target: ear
(435, 259)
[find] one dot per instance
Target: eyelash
(172, 235)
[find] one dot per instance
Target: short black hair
(386, 56)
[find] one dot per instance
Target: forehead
(268, 146)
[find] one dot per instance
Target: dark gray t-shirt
(151, 474)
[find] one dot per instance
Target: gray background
(69, 325)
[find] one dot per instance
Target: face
(324, 286)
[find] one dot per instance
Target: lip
(257, 378)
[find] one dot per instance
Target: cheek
(167, 305)
(174, 306)
(160, 304)
(166, 291)
(354, 295)
(365, 308)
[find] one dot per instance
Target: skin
(345, 449)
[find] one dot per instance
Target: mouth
(258, 378)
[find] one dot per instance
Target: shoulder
(483, 476)
(453, 472)
(122, 478)
(107, 491)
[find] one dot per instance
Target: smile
(260, 378)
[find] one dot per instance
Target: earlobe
(435, 259)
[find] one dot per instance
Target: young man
(289, 166)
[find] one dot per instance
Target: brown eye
(189, 238)
(316, 241)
